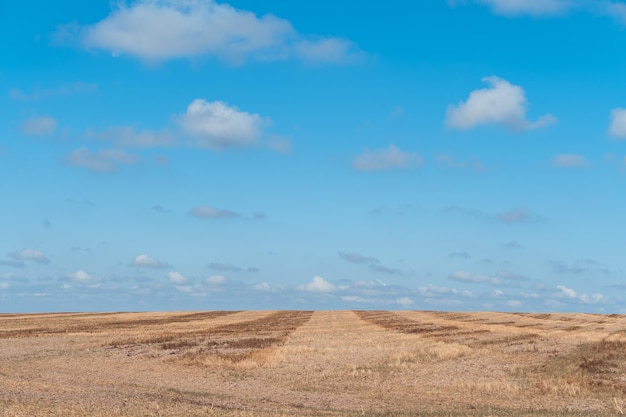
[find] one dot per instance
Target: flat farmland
(304, 363)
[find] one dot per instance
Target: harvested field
(303, 363)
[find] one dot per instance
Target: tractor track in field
(233, 342)
(79, 325)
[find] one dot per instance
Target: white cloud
(548, 8)
(207, 212)
(318, 284)
(61, 90)
(103, 160)
(128, 136)
(39, 125)
(570, 161)
(404, 301)
(160, 30)
(176, 278)
(144, 261)
(585, 298)
(514, 303)
(216, 125)
(384, 159)
(464, 276)
(216, 279)
(262, 286)
(528, 7)
(327, 50)
(83, 277)
(618, 123)
(33, 255)
(614, 9)
(502, 103)
(567, 291)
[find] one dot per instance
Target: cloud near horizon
(144, 261)
(501, 103)
(318, 284)
(28, 254)
(157, 31)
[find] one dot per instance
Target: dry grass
(297, 363)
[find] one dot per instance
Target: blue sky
(193, 154)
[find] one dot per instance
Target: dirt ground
(303, 363)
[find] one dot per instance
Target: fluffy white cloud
(159, 30)
(103, 160)
(502, 103)
(207, 212)
(389, 158)
(318, 284)
(618, 123)
(570, 161)
(176, 278)
(83, 277)
(216, 125)
(33, 255)
(144, 261)
(39, 125)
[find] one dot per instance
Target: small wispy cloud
(450, 161)
(357, 258)
(28, 254)
(584, 298)
(569, 161)
(145, 261)
(208, 212)
(39, 126)
(461, 255)
(385, 159)
(61, 90)
(102, 160)
(617, 128)
(467, 277)
(518, 215)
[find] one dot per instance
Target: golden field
(303, 363)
